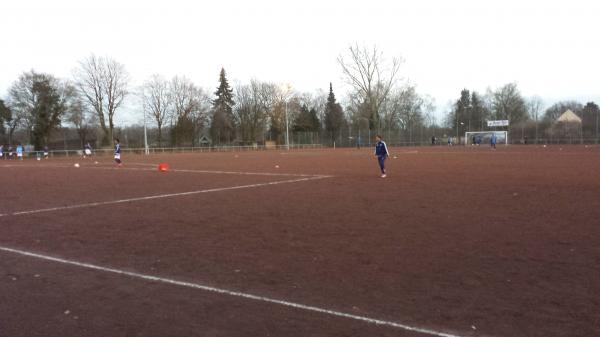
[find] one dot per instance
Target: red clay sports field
(455, 242)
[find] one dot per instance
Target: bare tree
(82, 119)
(190, 107)
(534, 107)
(371, 77)
(509, 104)
(319, 103)
(406, 109)
(254, 104)
(158, 98)
(103, 82)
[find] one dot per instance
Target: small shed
(204, 141)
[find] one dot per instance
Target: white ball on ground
(95, 162)
(276, 166)
(38, 158)
(76, 165)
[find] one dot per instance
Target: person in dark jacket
(381, 152)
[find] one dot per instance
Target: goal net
(484, 137)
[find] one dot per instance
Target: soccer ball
(76, 165)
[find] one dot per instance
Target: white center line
(231, 293)
(160, 196)
(210, 171)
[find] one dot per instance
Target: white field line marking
(32, 165)
(212, 172)
(171, 170)
(230, 293)
(160, 196)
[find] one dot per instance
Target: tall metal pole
(146, 150)
(287, 129)
(536, 127)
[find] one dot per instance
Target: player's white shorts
(20, 155)
(117, 156)
(88, 152)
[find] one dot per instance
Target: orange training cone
(163, 167)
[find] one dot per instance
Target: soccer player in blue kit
(381, 152)
(118, 153)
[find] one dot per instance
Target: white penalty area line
(230, 293)
(162, 196)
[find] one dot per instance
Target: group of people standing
(382, 153)
(11, 153)
(18, 152)
(87, 152)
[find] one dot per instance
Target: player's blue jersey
(381, 149)
(118, 149)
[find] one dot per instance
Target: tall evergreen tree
(314, 120)
(479, 112)
(307, 120)
(590, 115)
(4, 116)
(334, 115)
(461, 114)
(222, 126)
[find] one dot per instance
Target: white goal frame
(502, 137)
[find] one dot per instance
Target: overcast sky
(550, 48)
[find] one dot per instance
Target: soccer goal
(484, 137)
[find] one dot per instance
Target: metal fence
(162, 150)
(341, 140)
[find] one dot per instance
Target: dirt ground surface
(460, 241)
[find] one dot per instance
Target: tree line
(181, 113)
(527, 117)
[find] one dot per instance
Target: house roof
(569, 117)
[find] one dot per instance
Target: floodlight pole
(286, 90)
(287, 129)
(146, 150)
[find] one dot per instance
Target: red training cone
(163, 167)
